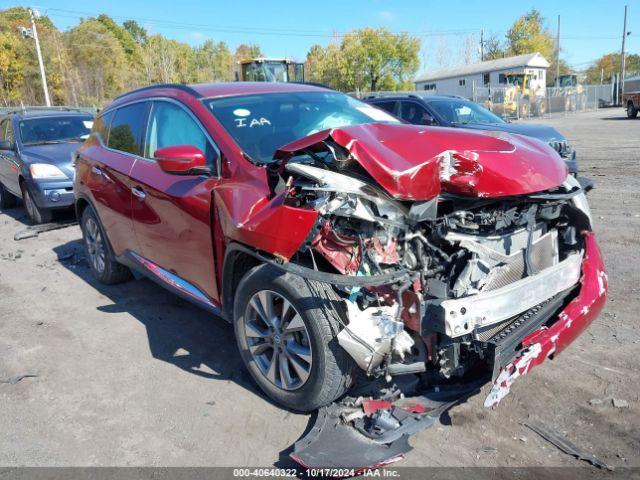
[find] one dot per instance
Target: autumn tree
(609, 64)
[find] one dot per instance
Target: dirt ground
(130, 375)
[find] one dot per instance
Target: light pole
(34, 33)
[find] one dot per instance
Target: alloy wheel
(278, 340)
(95, 245)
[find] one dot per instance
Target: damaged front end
(463, 265)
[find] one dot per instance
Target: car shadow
(19, 214)
(178, 332)
(618, 118)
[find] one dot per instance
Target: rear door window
(101, 126)
(127, 128)
(415, 113)
(388, 106)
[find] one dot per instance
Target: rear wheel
(98, 252)
(36, 214)
(632, 112)
(286, 331)
(7, 199)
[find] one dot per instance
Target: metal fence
(508, 101)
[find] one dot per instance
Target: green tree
(100, 64)
(528, 34)
(138, 33)
(366, 59)
(213, 62)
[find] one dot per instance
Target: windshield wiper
(53, 142)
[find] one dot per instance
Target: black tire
(632, 112)
(36, 214)
(7, 199)
(331, 370)
(108, 270)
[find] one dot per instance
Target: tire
(524, 109)
(632, 112)
(325, 371)
(98, 253)
(7, 199)
(36, 214)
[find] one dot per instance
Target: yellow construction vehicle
(517, 98)
(575, 96)
(270, 70)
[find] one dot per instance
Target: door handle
(138, 192)
(96, 170)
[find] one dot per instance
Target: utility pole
(33, 16)
(622, 55)
(482, 45)
(558, 54)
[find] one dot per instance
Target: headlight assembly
(46, 170)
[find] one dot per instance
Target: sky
(287, 28)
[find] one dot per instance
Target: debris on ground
(596, 401)
(565, 445)
(35, 230)
(619, 403)
(12, 256)
(16, 378)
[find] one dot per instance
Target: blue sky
(589, 28)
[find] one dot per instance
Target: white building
(463, 79)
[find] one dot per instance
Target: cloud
(386, 15)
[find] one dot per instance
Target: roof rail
(178, 86)
(34, 108)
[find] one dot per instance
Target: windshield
(260, 124)
(45, 130)
(567, 81)
(460, 112)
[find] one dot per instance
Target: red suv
(338, 241)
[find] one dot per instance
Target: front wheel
(632, 112)
(286, 330)
(36, 214)
(104, 266)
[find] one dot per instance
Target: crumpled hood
(541, 132)
(413, 162)
(58, 154)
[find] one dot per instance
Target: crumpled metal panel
(573, 319)
(414, 162)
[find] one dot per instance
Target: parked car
(631, 96)
(343, 244)
(451, 111)
(35, 158)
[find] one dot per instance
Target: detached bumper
(51, 193)
(572, 320)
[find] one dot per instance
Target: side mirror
(6, 145)
(181, 160)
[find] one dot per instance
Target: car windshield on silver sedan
(262, 123)
(460, 112)
(48, 130)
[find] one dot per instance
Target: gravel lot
(130, 375)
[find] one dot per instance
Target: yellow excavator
(517, 99)
(263, 69)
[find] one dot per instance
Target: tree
(609, 64)
(528, 34)
(366, 59)
(138, 33)
(247, 52)
(213, 62)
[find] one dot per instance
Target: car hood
(541, 132)
(58, 154)
(414, 162)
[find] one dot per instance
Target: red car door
(172, 213)
(108, 168)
